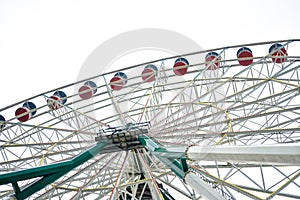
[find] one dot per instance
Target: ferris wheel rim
(168, 124)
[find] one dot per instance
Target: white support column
(273, 154)
(201, 187)
(156, 194)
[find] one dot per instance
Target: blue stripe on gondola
(92, 85)
(275, 47)
(30, 106)
(122, 76)
(212, 54)
(243, 49)
(182, 60)
(153, 67)
(2, 119)
(62, 95)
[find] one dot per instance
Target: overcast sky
(43, 44)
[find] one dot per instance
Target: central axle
(124, 137)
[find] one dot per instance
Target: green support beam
(176, 161)
(47, 174)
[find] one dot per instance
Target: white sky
(43, 44)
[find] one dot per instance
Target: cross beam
(175, 159)
(277, 153)
(46, 174)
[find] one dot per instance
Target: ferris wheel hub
(124, 137)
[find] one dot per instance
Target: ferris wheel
(225, 127)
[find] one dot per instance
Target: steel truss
(232, 133)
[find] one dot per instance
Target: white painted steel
(267, 154)
(201, 187)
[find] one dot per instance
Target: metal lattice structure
(228, 127)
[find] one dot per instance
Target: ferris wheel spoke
(90, 179)
(118, 179)
(180, 94)
(143, 110)
(131, 111)
(115, 103)
(244, 169)
(237, 118)
(150, 169)
(48, 173)
(75, 119)
(177, 187)
(30, 134)
(241, 135)
(33, 160)
(154, 92)
(191, 103)
(64, 182)
(223, 183)
(35, 148)
(248, 103)
(52, 128)
(168, 178)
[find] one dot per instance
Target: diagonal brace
(48, 173)
(175, 160)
